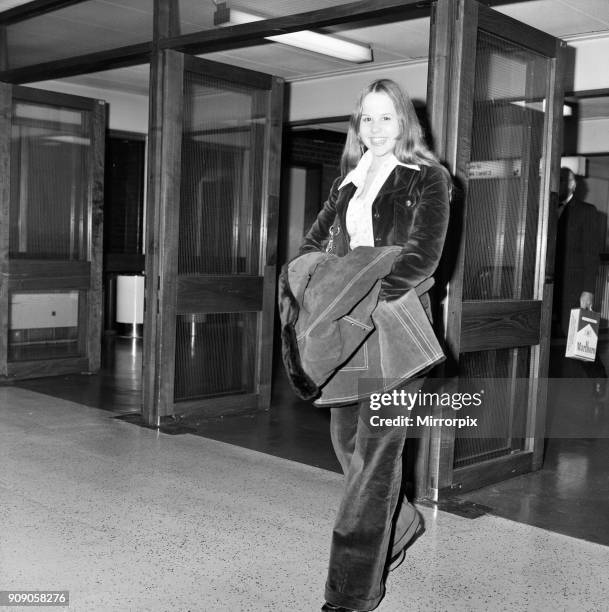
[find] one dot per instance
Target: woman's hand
(586, 300)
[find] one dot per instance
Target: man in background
(578, 247)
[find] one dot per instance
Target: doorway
(212, 233)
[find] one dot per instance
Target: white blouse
(359, 210)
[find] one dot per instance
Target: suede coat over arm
(338, 341)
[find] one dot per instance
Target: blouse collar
(357, 176)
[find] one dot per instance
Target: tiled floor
(570, 494)
(292, 429)
(131, 519)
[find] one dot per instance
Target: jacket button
(377, 240)
(409, 202)
(376, 215)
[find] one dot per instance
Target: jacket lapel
(399, 184)
(400, 179)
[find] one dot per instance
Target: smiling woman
(379, 127)
(393, 192)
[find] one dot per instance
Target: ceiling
(393, 42)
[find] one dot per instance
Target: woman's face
(379, 127)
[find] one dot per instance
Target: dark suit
(578, 245)
(577, 257)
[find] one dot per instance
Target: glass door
(217, 266)
(50, 233)
(496, 102)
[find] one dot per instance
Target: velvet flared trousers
(374, 519)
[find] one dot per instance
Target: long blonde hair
(410, 146)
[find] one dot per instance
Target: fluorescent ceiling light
(312, 41)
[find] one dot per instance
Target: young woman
(392, 191)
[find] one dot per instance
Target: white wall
(590, 73)
(591, 54)
(593, 136)
(334, 96)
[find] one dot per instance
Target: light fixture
(303, 39)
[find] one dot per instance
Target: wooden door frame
(82, 275)
(451, 79)
(162, 231)
(6, 99)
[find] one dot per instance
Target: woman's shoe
(328, 607)
(399, 557)
(397, 560)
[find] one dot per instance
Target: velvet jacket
(411, 210)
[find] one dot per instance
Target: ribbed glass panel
(50, 149)
(502, 416)
(504, 171)
(215, 355)
(220, 232)
(222, 167)
(502, 204)
(43, 325)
